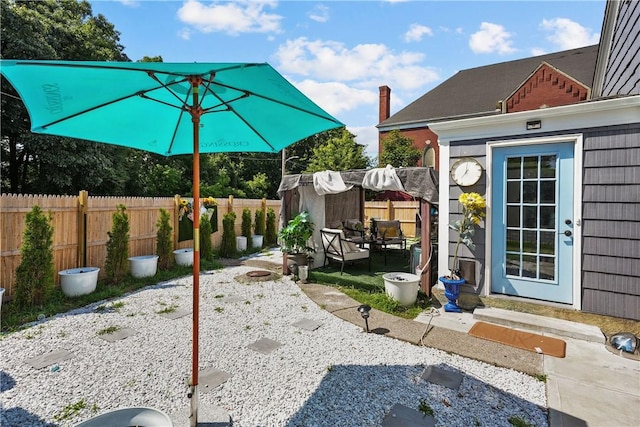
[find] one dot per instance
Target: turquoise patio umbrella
(169, 109)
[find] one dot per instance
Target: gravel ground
(336, 375)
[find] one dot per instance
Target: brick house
(558, 140)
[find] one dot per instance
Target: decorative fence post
(230, 205)
(83, 201)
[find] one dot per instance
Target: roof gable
(546, 87)
(476, 91)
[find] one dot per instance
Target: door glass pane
(513, 192)
(513, 264)
(530, 216)
(548, 166)
(531, 235)
(529, 266)
(513, 168)
(530, 167)
(548, 242)
(547, 217)
(530, 242)
(547, 268)
(530, 191)
(513, 216)
(547, 192)
(513, 240)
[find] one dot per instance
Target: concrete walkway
(591, 386)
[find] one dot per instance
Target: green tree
(339, 153)
(54, 29)
(206, 249)
(398, 151)
(246, 226)
(116, 265)
(34, 275)
(228, 245)
(164, 246)
(271, 234)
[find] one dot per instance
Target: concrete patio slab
(178, 313)
(209, 379)
(118, 335)
(49, 359)
(443, 377)
(403, 416)
(264, 345)
(307, 324)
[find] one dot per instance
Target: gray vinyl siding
(477, 150)
(622, 76)
(611, 222)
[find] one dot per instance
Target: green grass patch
(13, 318)
(380, 301)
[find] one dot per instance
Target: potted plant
(258, 229)
(473, 210)
(294, 238)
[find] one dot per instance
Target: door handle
(566, 233)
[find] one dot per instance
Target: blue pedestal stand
(452, 292)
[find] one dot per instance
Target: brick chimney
(385, 103)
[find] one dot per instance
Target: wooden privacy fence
(405, 212)
(81, 223)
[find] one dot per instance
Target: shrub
(271, 235)
(35, 275)
(246, 226)
(258, 223)
(206, 250)
(164, 246)
(117, 264)
(228, 245)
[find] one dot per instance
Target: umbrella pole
(196, 112)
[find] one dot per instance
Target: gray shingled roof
(477, 90)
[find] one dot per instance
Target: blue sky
(339, 52)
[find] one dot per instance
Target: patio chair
(354, 231)
(338, 248)
(389, 233)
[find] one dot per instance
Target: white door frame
(576, 139)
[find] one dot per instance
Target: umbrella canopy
(169, 109)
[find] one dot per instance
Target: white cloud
(320, 13)
(335, 97)
(241, 16)
(567, 34)
(129, 3)
(491, 38)
(537, 51)
(184, 33)
(365, 65)
(416, 32)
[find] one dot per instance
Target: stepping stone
(403, 416)
(308, 324)
(49, 359)
(232, 298)
(334, 293)
(118, 335)
(442, 377)
(209, 379)
(264, 345)
(178, 313)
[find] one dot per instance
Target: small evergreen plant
(228, 245)
(164, 245)
(246, 226)
(116, 265)
(206, 249)
(35, 276)
(271, 235)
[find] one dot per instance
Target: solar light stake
(364, 310)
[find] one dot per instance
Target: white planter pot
(78, 281)
(143, 266)
(184, 256)
(402, 287)
(241, 243)
(257, 241)
(303, 273)
(130, 417)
